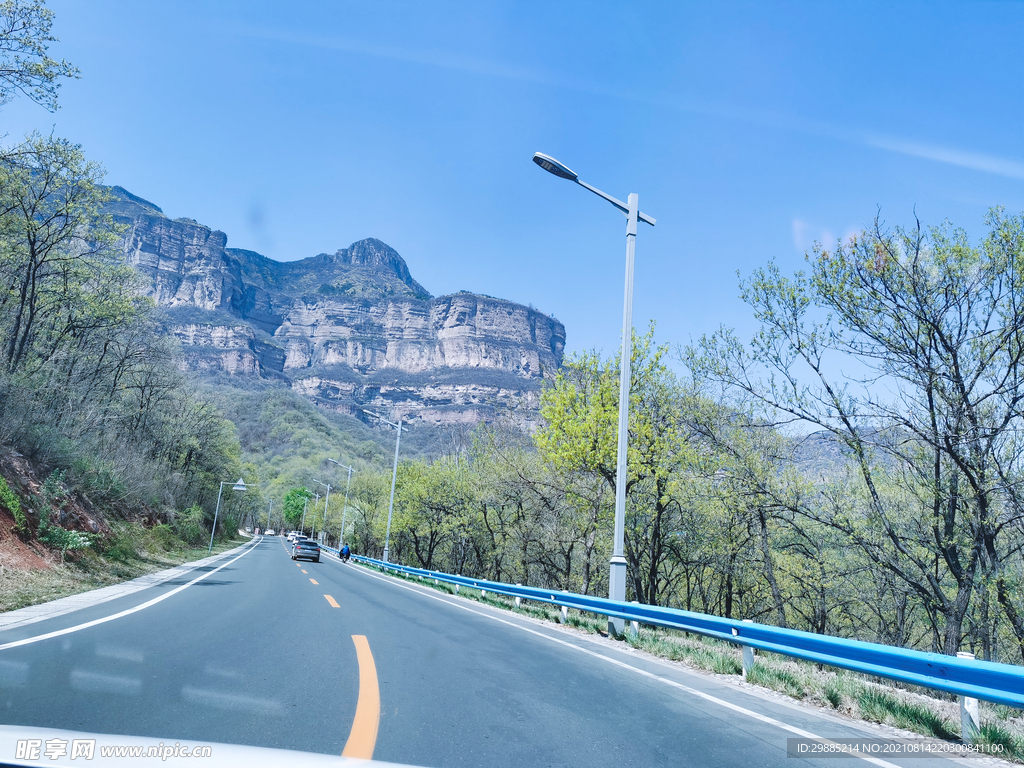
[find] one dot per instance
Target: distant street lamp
(239, 486)
(617, 574)
(326, 502)
(341, 536)
(312, 520)
(394, 477)
(302, 525)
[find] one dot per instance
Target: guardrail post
(563, 616)
(748, 652)
(634, 626)
(970, 717)
(519, 600)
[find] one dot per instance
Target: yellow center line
(315, 582)
(305, 571)
(363, 737)
(332, 601)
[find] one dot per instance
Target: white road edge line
(129, 611)
(693, 691)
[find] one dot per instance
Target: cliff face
(346, 329)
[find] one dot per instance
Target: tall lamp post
(302, 525)
(239, 486)
(348, 483)
(312, 519)
(617, 574)
(323, 528)
(394, 476)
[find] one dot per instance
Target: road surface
(325, 657)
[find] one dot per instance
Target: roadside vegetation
(102, 435)
(131, 551)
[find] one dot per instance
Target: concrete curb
(33, 613)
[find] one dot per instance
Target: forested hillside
(98, 425)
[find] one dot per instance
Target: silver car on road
(306, 548)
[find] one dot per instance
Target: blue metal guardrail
(990, 681)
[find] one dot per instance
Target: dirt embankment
(21, 550)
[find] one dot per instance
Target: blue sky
(749, 130)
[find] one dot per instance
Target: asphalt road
(324, 657)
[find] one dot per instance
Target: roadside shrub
(189, 526)
(10, 500)
(160, 537)
(232, 522)
(61, 539)
(123, 543)
(98, 479)
(53, 490)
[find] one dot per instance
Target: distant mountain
(823, 456)
(346, 329)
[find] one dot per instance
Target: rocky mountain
(345, 329)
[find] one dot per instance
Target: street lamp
(617, 572)
(239, 486)
(394, 476)
(341, 536)
(312, 519)
(326, 502)
(302, 525)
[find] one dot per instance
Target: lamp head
(551, 165)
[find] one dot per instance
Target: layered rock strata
(347, 329)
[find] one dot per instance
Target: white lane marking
(105, 619)
(693, 691)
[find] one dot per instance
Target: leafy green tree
(932, 425)
(62, 277)
(25, 64)
(294, 503)
(580, 413)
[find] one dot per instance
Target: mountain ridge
(357, 312)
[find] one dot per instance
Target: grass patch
(997, 734)
(700, 652)
(833, 694)
(881, 707)
(781, 680)
(586, 621)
